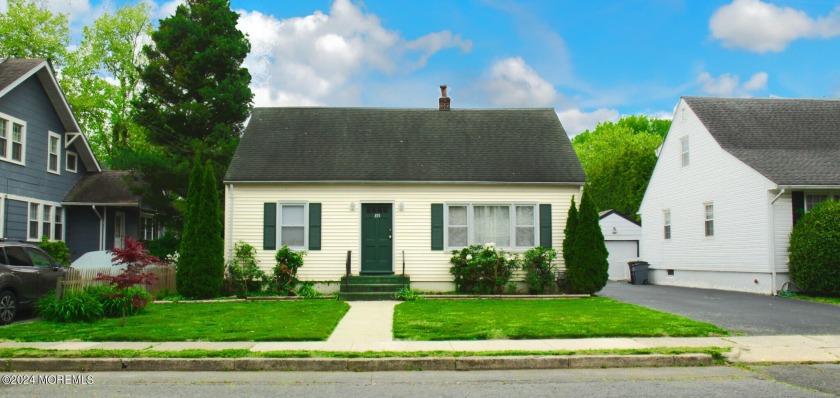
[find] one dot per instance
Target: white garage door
(621, 251)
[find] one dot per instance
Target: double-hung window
(293, 225)
(53, 150)
(710, 219)
(34, 232)
(684, 151)
(71, 162)
(45, 220)
(505, 225)
(147, 227)
(667, 223)
(12, 139)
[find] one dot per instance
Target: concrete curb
(352, 364)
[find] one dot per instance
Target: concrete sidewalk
(367, 326)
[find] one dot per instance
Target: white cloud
(762, 27)
(729, 85)
(167, 9)
(576, 121)
(513, 83)
(317, 59)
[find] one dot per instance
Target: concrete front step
(371, 288)
(366, 296)
(375, 279)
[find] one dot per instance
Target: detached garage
(621, 236)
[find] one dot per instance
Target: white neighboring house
(732, 178)
(621, 236)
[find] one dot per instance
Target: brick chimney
(443, 102)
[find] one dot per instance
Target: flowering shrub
(482, 269)
(285, 271)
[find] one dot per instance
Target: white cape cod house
(398, 186)
(733, 177)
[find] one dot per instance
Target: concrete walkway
(367, 327)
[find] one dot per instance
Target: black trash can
(639, 272)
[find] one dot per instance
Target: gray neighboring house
(733, 177)
(44, 156)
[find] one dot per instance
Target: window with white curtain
(504, 225)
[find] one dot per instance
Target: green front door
(377, 248)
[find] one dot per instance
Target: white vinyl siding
(341, 222)
(12, 139)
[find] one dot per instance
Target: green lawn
(826, 300)
(305, 320)
(538, 319)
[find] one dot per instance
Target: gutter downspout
(229, 231)
(773, 243)
(100, 225)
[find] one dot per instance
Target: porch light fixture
(615, 231)
(352, 206)
(402, 206)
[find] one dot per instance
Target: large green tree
(201, 256)
(619, 159)
(195, 97)
(30, 31)
(101, 78)
(588, 269)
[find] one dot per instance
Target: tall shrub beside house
(587, 270)
(569, 233)
(201, 262)
(815, 250)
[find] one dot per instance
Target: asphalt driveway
(745, 313)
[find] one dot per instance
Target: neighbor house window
(710, 219)
(147, 227)
(812, 201)
(59, 224)
(505, 225)
(71, 163)
(45, 220)
(667, 215)
(684, 151)
(34, 233)
(12, 139)
(53, 149)
(293, 225)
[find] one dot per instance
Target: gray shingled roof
(367, 144)
(13, 69)
(789, 141)
(106, 187)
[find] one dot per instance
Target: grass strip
(7, 353)
(304, 320)
(825, 300)
(429, 320)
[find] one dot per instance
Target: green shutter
(270, 226)
(545, 225)
(437, 226)
(314, 226)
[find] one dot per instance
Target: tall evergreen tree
(588, 270)
(569, 234)
(201, 261)
(195, 97)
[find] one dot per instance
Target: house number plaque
(377, 215)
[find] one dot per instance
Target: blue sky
(591, 61)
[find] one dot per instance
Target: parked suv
(26, 274)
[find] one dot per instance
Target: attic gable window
(71, 162)
(710, 219)
(684, 151)
(667, 224)
(12, 139)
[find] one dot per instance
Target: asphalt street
(708, 382)
(745, 313)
